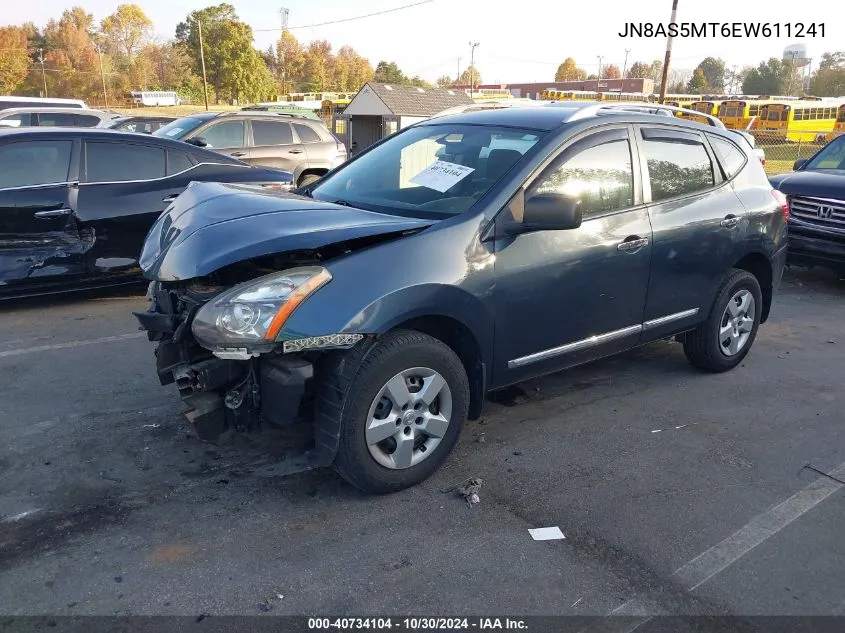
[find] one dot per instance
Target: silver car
(55, 117)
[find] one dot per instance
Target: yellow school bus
(799, 120)
(569, 95)
(635, 97)
(839, 126)
(738, 114)
(331, 109)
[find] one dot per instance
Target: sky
(518, 41)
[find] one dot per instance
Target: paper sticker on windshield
(442, 176)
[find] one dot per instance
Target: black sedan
(816, 193)
(141, 124)
(76, 204)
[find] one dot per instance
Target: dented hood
(213, 225)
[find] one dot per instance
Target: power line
(357, 17)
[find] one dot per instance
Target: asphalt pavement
(678, 492)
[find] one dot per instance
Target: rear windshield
(179, 128)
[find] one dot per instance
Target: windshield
(440, 169)
(831, 157)
(178, 128)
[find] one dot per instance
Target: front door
(698, 224)
(568, 296)
(39, 238)
(227, 136)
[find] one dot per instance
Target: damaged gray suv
(461, 255)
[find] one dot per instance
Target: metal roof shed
(379, 110)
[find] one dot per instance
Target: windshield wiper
(342, 203)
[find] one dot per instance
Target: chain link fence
(782, 153)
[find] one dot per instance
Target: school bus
(331, 109)
(738, 114)
(569, 95)
(677, 100)
(839, 126)
(811, 120)
(636, 97)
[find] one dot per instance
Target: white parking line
(762, 527)
(93, 341)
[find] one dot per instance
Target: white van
(7, 101)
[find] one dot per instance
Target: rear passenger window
(601, 176)
(306, 134)
(86, 120)
(63, 119)
(271, 133)
(115, 162)
(677, 166)
(177, 162)
(729, 155)
(34, 163)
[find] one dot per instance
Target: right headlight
(245, 320)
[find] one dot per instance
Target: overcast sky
(519, 41)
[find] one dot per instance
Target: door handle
(54, 213)
(237, 154)
(170, 198)
(632, 244)
(295, 151)
(730, 221)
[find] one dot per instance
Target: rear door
(123, 188)
(39, 238)
(698, 224)
(273, 145)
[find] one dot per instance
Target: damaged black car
(76, 204)
(458, 256)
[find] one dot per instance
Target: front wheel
(401, 410)
(307, 179)
(725, 338)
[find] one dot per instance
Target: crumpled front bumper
(221, 393)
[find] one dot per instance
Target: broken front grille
(821, 212)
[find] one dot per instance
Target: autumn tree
(126, 30)
(290, 60)
(318, 66)
(639, 70)
(71, 59)
(470, 76)
(351, 70)
(569, 71)
(14, 58)
(611, 71)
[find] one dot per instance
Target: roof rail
(645, 108)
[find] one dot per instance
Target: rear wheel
(401, 411)
(307, 179)
(723, 341)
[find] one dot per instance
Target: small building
(379, 110)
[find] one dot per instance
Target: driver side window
(224, 134)
(600, 174)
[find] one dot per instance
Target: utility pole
(458, 76)
(665, 77)
(102, 75)
(283, 13)
(202, 62)
(43, 74)
(598, 81)
(472, 46)
(625, 65)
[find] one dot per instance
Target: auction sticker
(442, 176)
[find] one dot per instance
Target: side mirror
(550, 212)
(798, 164)
(198, 141)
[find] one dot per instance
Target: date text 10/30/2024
(416, 624)
(722, 29)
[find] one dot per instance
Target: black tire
(702, 347)
(307, 179)
(350, 381)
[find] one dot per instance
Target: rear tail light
(783, 203)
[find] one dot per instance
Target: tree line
(712, 76)
(74, 55)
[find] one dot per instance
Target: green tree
(697, 83)
(569, 71)
(234, 68)
(769, 78)
(444, 81)
(713, 75)
(639, 70)
(677, 88)
(829, 79)
(471, 75)
(389, 73)
(14, 58)
(127, 30)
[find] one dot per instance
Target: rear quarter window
(731, 158)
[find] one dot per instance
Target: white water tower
(797, 55)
